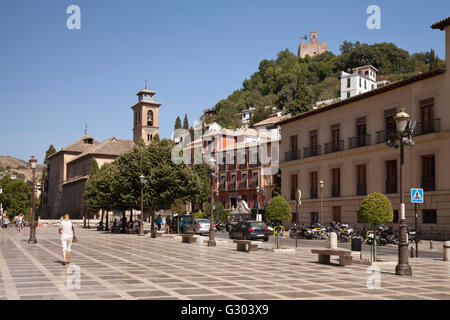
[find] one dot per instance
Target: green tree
(178, 206)
(177, 123)
(278, 209)
(94, 166)
(185, 122)
(376, 208)
(16, 196)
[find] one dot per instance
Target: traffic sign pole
(417, 233)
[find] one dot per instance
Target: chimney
(444, 25)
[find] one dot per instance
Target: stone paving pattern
(119, 266)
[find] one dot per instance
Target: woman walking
(66, 231)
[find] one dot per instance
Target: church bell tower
(146, 116)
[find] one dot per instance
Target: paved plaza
(120, 266)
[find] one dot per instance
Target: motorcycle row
(345, 233)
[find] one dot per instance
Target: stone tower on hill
(313, 47)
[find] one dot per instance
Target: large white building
(362, 79)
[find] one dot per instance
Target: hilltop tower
(313, 47)
(146, 116)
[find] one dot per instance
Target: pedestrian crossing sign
(416, 195)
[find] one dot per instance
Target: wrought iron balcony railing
(292, 155)
(384, 135)
(426, 127)
(334, 147)
(359, 141)
(312, 151)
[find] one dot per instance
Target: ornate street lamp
(32, 238)
(143, 182)
(321, 184)
(405, 129)
(211, 163)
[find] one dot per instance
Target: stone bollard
(447, 251)
(333, 240)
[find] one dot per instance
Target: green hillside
(295, 84)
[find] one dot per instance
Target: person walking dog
(67, 232)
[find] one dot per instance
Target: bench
(188, 238)
(246, 245)
(156, 234)
(345, 256)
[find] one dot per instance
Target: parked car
(198, 226)
(183, 219)
(250, 230)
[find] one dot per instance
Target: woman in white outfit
(66, 232)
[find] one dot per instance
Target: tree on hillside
(177, 123)
(185, 122)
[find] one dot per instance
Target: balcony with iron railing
(334, 147)
(222, 167)
(292, 155)
(391, 186)
(253, 184)
(242, 166)
(384, 135)
(222, 187)
(243, 185)
(426, 127)
(359, 141)
(255, 165)
(428, 183)
(232, 166)
(312, 151)
(361, 189)
(232, 186)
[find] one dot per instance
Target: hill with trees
(293, 84)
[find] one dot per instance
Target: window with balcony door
(244, 181)
(389, 121)
(313, 140)
(335, 138)
(361, 184)
(314, 217)
(391, 176)
(427, 116)
(314, 182)
(293, 145)
(233, 182)
(361, 132)
(348, 83)
(254, 179)
(428, 180)
(336, 182)
(293, 186)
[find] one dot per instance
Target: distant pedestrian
(5, 223)
(168, 225)
(158, 222)
(20, 223)
(66, 230)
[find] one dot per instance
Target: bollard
(431, 244)
(412, 252)
(446, 251)
(333, 240)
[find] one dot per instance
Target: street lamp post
(405, 129)
(142, 181)
(298, 198)
(1, 209)
(321, 183)
(32, 238)
(213, 169)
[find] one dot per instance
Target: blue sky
(193, 53)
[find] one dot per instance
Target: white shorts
(67, 243)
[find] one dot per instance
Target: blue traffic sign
(416, 195)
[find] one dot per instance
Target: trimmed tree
(375, 209)
(278, 209)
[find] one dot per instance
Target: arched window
(150, 118)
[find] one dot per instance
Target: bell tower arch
(145, 116)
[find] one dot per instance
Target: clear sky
(193, 53)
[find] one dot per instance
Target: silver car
(199, 226)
